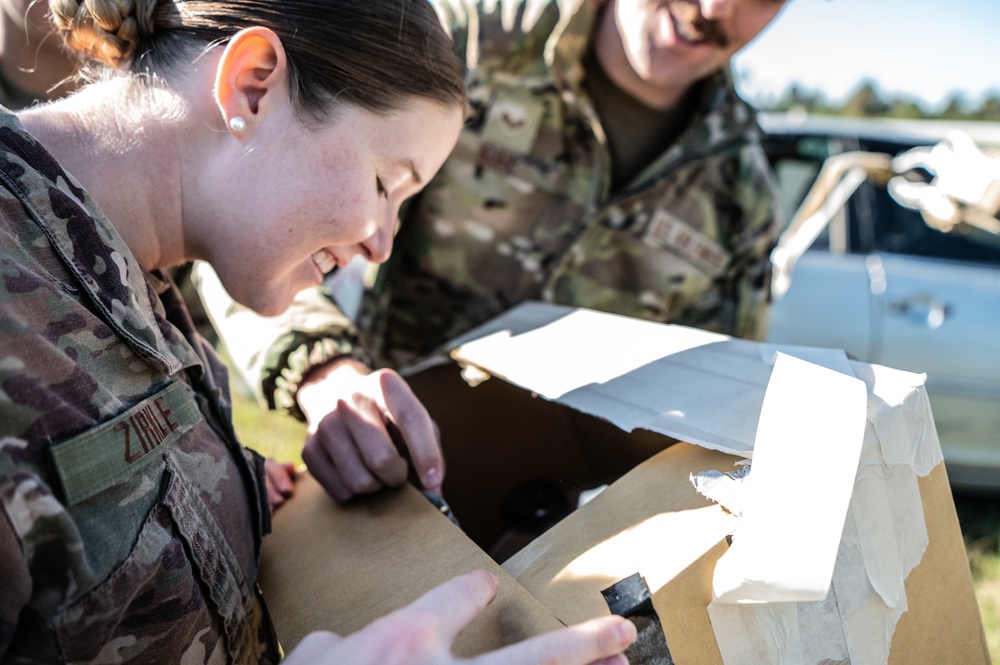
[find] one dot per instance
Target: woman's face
(305, 200)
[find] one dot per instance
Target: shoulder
(484, 29)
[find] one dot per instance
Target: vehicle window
(900, 230)
(796, 162)
(795, 177)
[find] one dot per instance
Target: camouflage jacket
(524, 209)
(130, 517)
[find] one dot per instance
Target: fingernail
(494, 580)
(432, 477)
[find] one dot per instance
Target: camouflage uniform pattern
(523, 209)
(160, 565)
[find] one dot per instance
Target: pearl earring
(237, 124)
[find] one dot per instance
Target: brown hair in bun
(369, 53)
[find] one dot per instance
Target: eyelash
(381, 189)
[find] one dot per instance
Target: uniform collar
(567, 47)
(87, 243)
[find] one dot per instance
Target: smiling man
(607, 163)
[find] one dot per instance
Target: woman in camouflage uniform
(607, 163)
(266, 139)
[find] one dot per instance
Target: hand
(422, 634)
(279, 477)
(362, 428)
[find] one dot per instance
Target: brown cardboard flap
(332, 567)
(942, 624)
(652, 521)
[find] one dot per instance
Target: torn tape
(631, 599)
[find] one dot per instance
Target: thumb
(312, 649)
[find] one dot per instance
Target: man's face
(670, 44)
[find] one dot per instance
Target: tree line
(867, 101)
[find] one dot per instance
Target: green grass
(280, 436)
(979, 517)
(269, 433)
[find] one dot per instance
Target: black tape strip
(631, 599)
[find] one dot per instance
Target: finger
(313, 649)
(420, 433)
(423, 631)
(588, 642)
(620, 659)
(457, 602)
(274, 498)
(379, 459)
(323, 469)
(339, 435)
(279, 476)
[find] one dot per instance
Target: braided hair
(370, 53)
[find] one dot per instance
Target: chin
(271, 309)
(264, 302)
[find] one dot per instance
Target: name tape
(101, 457)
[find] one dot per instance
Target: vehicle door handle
(923, 309)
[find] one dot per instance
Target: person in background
(262, 138)
(608, 163)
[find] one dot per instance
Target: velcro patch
(97, 459)
(666, 230)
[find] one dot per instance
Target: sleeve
(274, 354)
(459, 18)
(757, 197)
(17, 582)
(465, 20)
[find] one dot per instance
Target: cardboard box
(332, 567)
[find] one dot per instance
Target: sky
(926, 49)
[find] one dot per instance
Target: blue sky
(922, 48)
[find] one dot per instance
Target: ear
(252, 75)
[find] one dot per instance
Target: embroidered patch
(690, 244)
(97, 459)
(513, 121)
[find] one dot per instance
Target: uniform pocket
(177, 597)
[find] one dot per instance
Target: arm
(363, 427)
(307, 361)
(279, 478)
(422, 634)
(756, 194)
(17, 582)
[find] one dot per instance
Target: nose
(379, 246)
(715, 10)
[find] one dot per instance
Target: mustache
(692, 26)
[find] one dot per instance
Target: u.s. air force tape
(97, 459)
